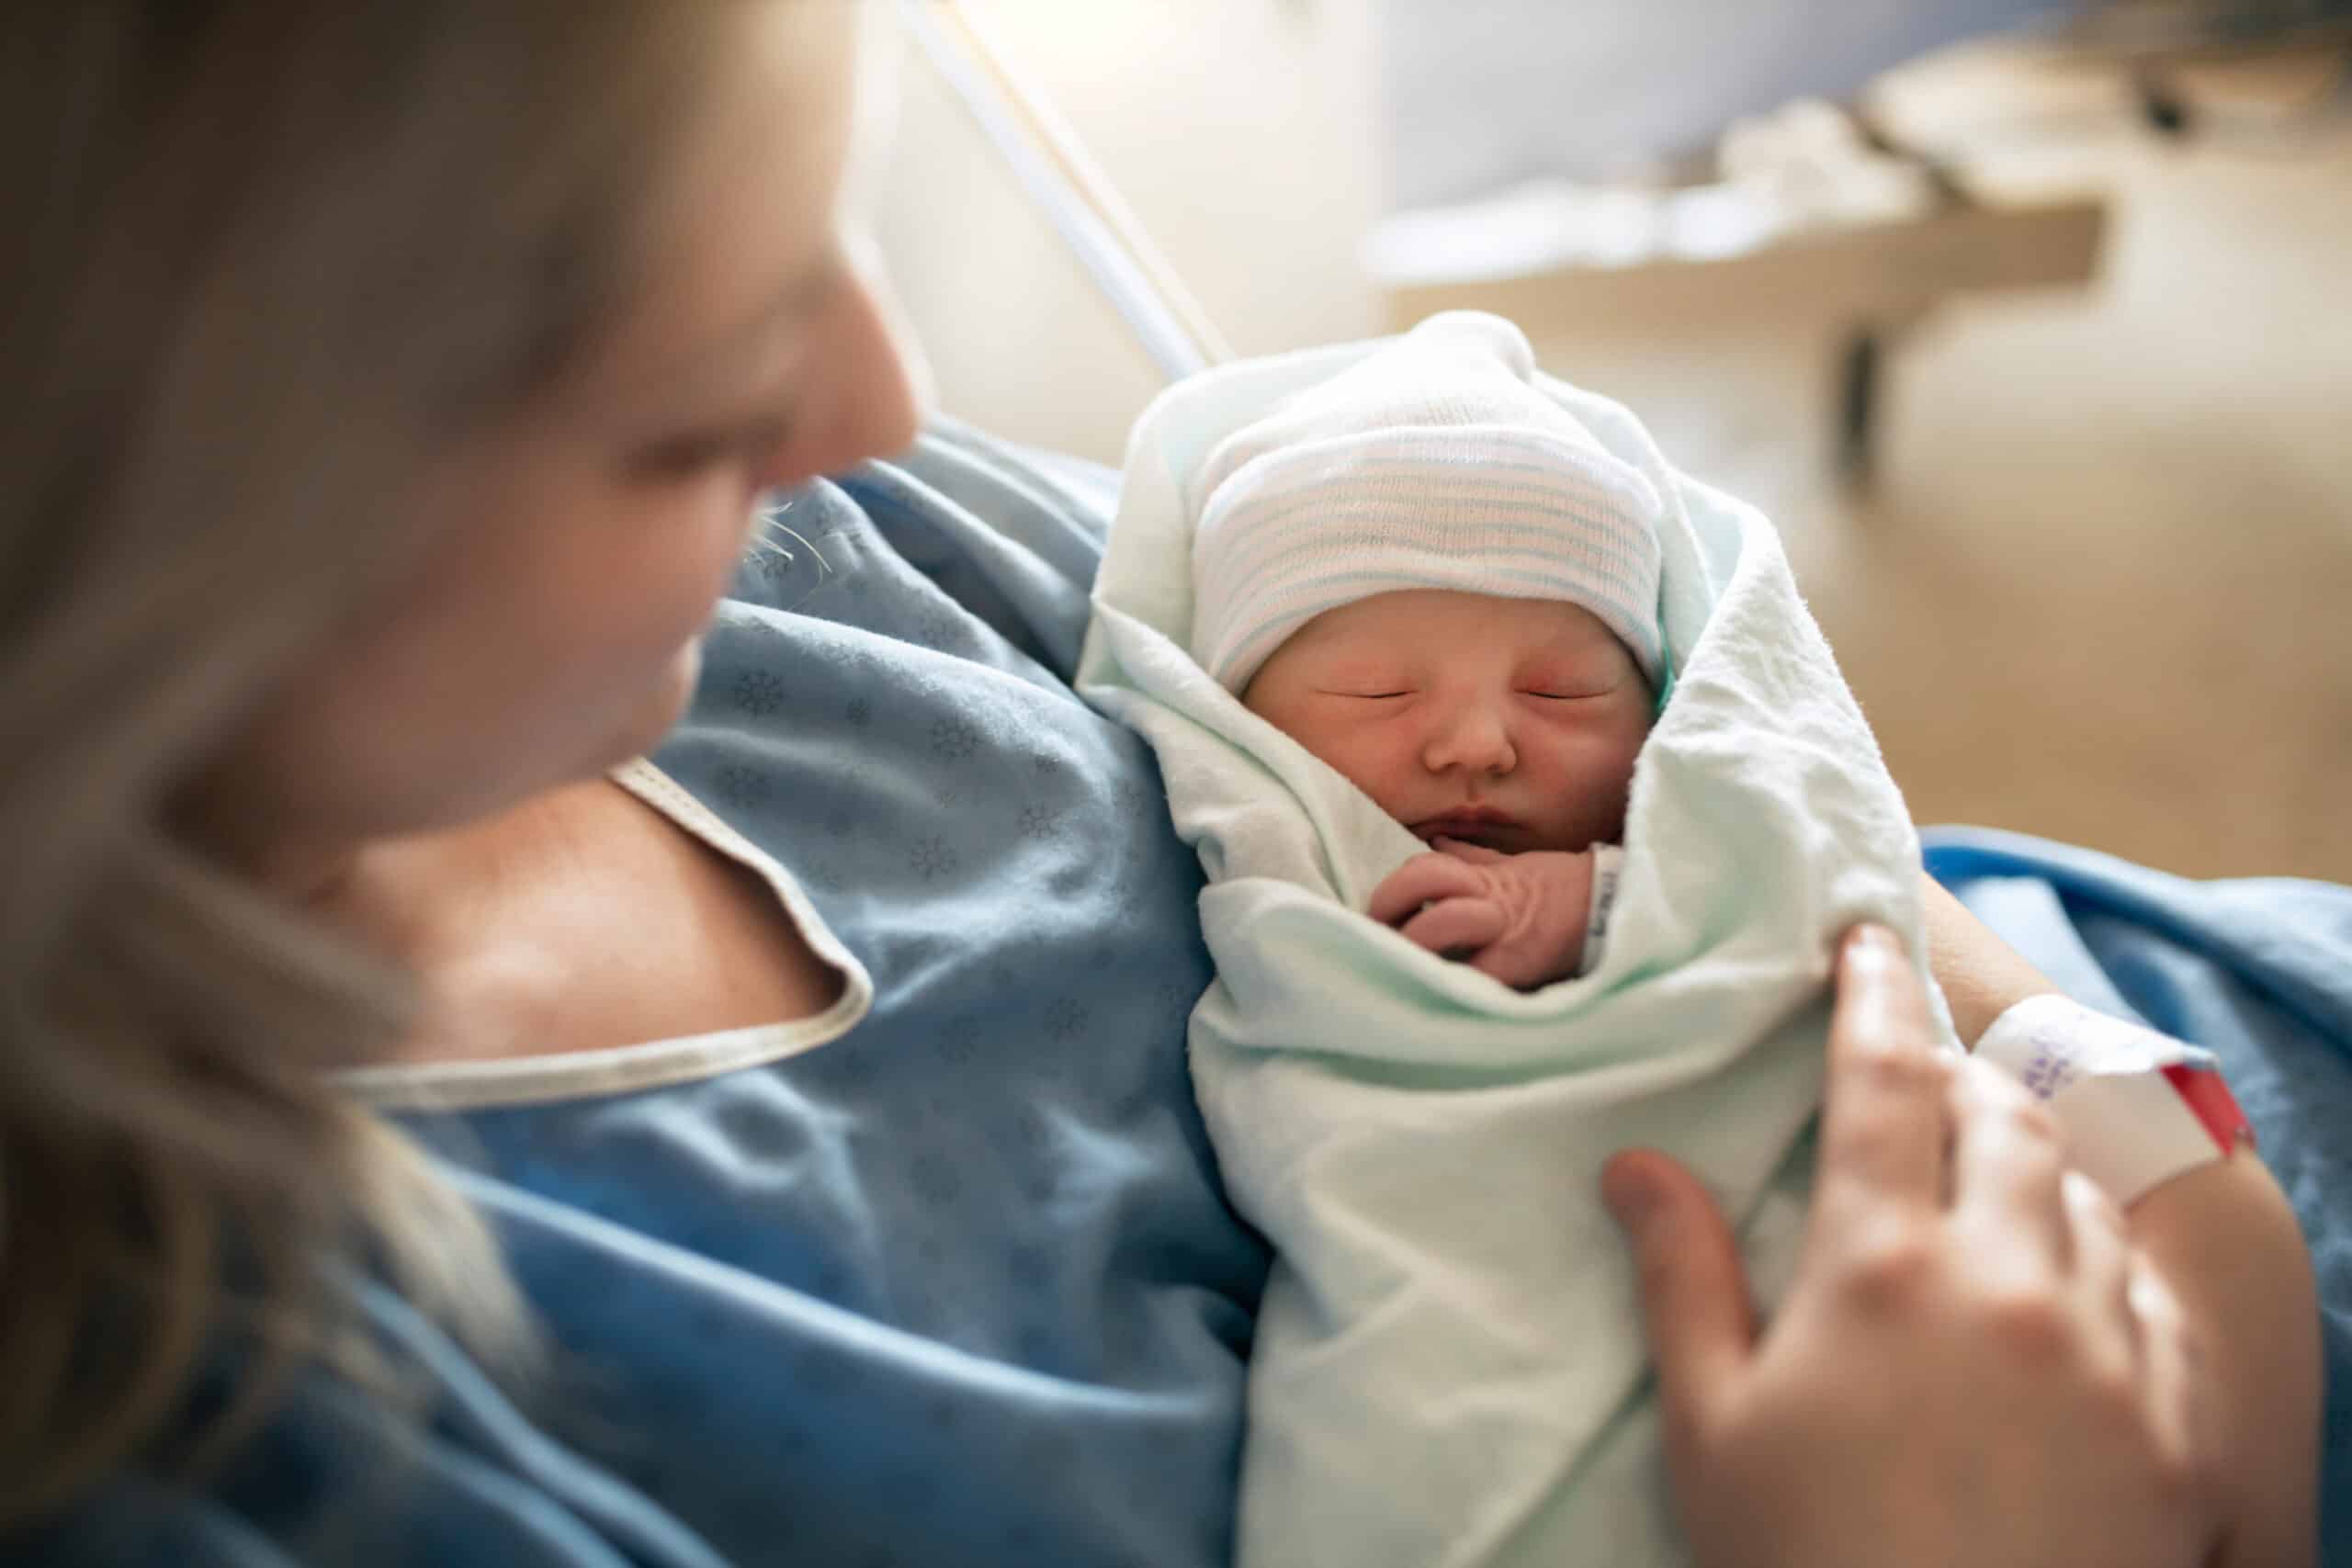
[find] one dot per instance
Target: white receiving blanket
(1448, 1367)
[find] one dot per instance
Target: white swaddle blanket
(1448, 1368)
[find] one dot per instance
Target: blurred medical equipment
(1577, 167)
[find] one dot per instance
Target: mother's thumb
(1695, 1308)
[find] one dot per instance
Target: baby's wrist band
(2139, 1108)
(1608, 868)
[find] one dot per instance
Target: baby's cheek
(1376, 769)
(1608, 746)
(1597, 774)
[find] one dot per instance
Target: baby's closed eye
(1566, 689)
(1562, 676)
(1366, 681)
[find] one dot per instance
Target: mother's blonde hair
(270, 257)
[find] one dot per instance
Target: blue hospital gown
(959, 1286)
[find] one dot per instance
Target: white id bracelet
(2139, 1108)
(1608, 866)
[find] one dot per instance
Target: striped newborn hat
(1435, 462)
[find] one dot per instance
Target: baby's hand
(1518, 918)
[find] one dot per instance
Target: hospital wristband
(1608, 868)
(2139, 1108)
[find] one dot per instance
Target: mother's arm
(2225, 1238)
(1982, 976)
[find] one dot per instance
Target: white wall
(1241, 131)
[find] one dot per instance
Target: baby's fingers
(1424, 879)
(1456, 925)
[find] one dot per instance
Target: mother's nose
(1472, 737)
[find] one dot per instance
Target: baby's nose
(1473, 738)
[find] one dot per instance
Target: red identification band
(2139, 1108)
(2209, 1098)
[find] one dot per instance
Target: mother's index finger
(1883, 1120)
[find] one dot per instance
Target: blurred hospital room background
(2032, 332)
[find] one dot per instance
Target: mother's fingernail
(1870, 943)
(1629, 1192)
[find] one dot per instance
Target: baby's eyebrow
(1556, 658)
(1360, 667)
(1578, 647)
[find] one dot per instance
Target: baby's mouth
(1472, 825)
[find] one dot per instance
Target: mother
(392, 385)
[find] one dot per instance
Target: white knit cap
(1434, 462)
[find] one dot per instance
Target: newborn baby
(1434, 580)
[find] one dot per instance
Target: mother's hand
(1973, 1367)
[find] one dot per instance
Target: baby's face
(1511, 723)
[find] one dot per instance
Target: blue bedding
(2259, 971)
